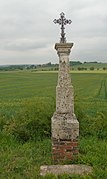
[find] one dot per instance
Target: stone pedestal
(65, 127)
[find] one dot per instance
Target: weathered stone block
(69, 169)
(64, 126)
(64, 99)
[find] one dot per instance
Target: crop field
(27, 103)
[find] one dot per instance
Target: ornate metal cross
(62, 21)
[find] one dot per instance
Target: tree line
(50, 66)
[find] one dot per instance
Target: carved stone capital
(63, 48)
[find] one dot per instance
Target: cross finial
(62, 21)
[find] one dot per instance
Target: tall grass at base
(32, 120)
(23, 160)
(27, 103)
(92, 125)
(93, 152)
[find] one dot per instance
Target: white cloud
(28, 34)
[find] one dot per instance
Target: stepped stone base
(68, 169)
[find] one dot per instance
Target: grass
(23, 161)
(17, 85)
(27, 103)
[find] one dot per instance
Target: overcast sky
(28, 34)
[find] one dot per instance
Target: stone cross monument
(65, 127)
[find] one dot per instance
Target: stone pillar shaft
(65, 127)
(64, 89)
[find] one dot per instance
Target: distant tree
(82, 68)
(91, 62)
(79, 68)
(94, 62)
(72, 63)
(39, 65)
(104, 68)
(47, 64)
(91, 68)
(56, 69)
(32, 66)
(28, 67)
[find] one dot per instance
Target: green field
(27, 103)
